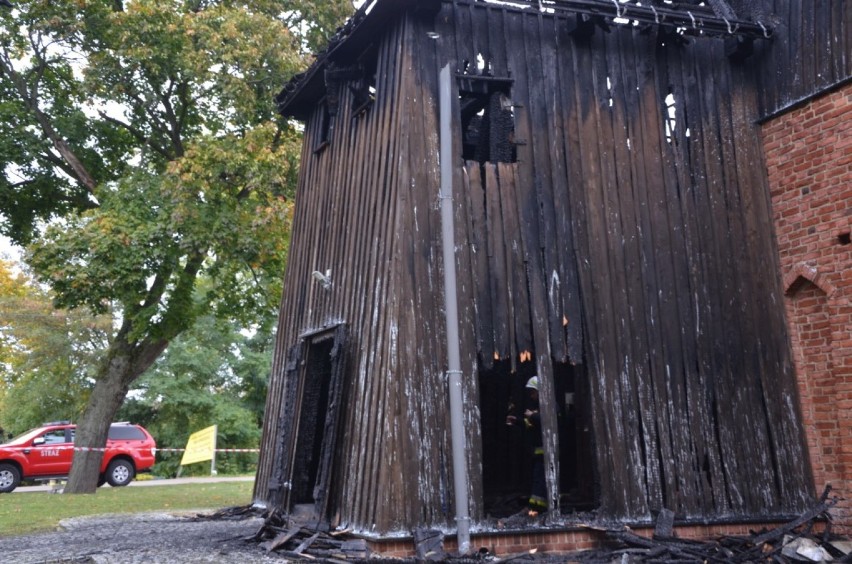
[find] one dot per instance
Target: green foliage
(47, 356)
(145, 155)
(223, 204)
(211, 375)
(149, 127)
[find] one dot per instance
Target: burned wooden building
(613, 236)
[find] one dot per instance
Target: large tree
(215, 373)
(141, 151)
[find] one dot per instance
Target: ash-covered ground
(233, 535)
(147, 537)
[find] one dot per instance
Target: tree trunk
(124, 364)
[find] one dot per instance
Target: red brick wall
(809, 161)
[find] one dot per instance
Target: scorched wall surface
(631, 233)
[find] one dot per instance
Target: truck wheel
(10, 477)
(119, 473)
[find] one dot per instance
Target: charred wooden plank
(742, 379)
(686, 157)
(710, 279)
(530, 218)
(522, 200)
(630, 226)
(306, 543)
(501, 300)
(355, 548)
(479, 263)
(664, 527)
(656, 263)
(415, 233)
(825, 503)
(569, 312)
(596, 299)
(367, 296)
(429, 545)
(296, 555)
(516, 556)
(629, 96)
(520, 335)
(585, 325)
(676, 310)
(280, 540)
(540, 84)
(432, 417)
(394, 134)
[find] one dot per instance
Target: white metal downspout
(454, 373)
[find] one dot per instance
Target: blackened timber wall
(629, 236)
(811, 49)
(642, 166)
(367, 211)
(345, 223)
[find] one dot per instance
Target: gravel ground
(147, 537)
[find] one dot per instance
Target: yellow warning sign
(201, 446)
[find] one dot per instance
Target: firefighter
(532, 423)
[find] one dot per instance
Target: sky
(8, 251)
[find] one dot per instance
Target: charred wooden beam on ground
(429, 545)
(305, 542)
(776, 545)
(794, 541)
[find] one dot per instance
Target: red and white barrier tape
(215, 450)
(93, 449)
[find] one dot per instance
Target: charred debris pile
(303, 542)
(799, 540)
(808, 538)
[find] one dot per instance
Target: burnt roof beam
(694, 21)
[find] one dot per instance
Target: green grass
(30, 512)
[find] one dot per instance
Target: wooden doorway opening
(313, 411)
(506, 449)
(309, 424)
